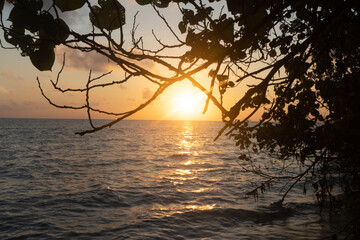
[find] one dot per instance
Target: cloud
(10, 75)
(75, 59)
(9, 106)
(147, 93)
(3, 90)
(4, 109)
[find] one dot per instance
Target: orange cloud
(10, 75)
(147, 93)
(3, 90)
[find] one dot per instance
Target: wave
(239, 215)
(132, 183)
(181, 155)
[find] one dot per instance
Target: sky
(20, 96)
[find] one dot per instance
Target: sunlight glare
(188, 162)
(205, 207)
(188, 103)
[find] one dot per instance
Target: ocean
(139, 180)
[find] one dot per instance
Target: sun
(187, 103)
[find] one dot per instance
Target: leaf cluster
(35, 32)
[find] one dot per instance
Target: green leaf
(43, 59)
(69, 5)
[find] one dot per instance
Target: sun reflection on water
(204, 207)
(188, 163)
(200, 190)
(186, 137)
(188, 172)
(183, 172)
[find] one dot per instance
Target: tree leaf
(69, 5)
(24, 18)
(47, 26)
(33, 5)
(162, 3)
(241, 55)
(234, 6)
(144, 2)
(227, 29)
(13, 36)
(62, 32)
(108, 16)
(43, 59)
(182, 27)
(222, 78)
(272, 53)
(2, 4)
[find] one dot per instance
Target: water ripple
(139, 180)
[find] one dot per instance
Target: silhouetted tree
(298, 59)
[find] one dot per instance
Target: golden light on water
(188, 163)
(185, 144)
(182, 172)
(200, 190)
(204, 207)
(186, 171)
(186, 141)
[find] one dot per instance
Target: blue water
(138, 180)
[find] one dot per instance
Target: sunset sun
(187, 103)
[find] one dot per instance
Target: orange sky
(21, 98)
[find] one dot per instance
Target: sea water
(138, 180)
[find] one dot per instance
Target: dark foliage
(298, 58)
